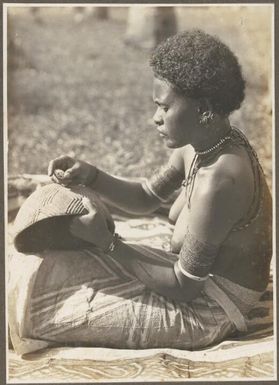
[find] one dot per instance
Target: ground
(75, 87)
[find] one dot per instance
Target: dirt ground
(75, 87)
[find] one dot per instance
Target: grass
(74, 87)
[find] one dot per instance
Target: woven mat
(76, 364)
(249, 357)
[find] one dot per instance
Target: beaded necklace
(215, 147)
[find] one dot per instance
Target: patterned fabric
(246, 356)
(231, 309)
(164, 182)
(82, 298)
(228, 361)
(244, 298)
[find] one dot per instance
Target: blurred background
(79, 82)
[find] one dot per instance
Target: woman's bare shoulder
(236, 166)
(180, 157)
(223, 192)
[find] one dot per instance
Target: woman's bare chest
(180, 211)
(178, 215)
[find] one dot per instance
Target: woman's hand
(92, 227)
(69, 171)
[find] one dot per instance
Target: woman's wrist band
(115, 238)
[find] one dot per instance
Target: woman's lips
(162, 134)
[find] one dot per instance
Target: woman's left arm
(212, 216)
(164, 280)
(216, 209)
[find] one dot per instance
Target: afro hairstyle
(201, 66)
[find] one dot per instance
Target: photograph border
(4, 174)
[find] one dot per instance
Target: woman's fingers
(71, 173)
(63, 162)
(58, 177)
(67, 177)
(61, 170)
(55, 179)
(59, 173)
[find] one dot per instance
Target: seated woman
(221, 244)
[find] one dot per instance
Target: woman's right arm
(125, 194)
(128, 195)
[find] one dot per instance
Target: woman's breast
(177, 207)
(179, 217)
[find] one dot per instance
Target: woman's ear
(204, 105)
(206, 115)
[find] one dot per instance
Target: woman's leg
(88, 299)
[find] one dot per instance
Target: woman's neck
(211, 135)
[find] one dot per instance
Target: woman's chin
(172, 144)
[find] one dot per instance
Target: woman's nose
(157, 118)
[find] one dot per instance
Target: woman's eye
(162, 107)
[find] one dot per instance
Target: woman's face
(176, 117)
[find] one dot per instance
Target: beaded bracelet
(115, 238)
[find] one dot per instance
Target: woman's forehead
(162, 90)
(166, 93)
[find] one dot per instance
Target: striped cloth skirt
(84, 298)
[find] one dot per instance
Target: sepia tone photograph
(139, 178)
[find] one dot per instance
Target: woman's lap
(83, 298)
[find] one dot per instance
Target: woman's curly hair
(201, 66)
